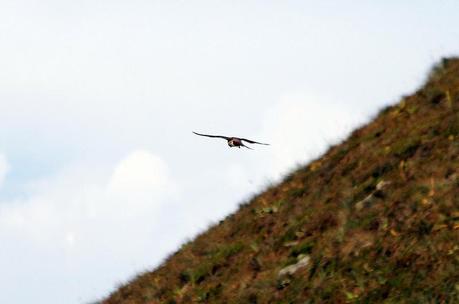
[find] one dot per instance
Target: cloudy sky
(100, 175)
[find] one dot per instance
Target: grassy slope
(399, 246)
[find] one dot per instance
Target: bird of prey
(233, 141)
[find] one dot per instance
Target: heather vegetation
(374, 220)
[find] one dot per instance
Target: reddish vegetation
(378, 215)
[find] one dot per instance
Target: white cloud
(4, 168)
(140, 172)
(94, 219)
(302, 126)
(139, 183)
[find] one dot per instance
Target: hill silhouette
(374, 220)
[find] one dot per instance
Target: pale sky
(100, 175)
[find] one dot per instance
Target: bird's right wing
(213, 136)
(254, 142)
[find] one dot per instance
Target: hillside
(375, 219)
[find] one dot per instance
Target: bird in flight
(233, 141)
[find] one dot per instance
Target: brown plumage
(233, 141)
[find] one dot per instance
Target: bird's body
(236, 142)
(233, 141)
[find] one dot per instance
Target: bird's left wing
(213, 136)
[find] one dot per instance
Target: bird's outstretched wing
(246, 147)
(214, 136)
(253, 142)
